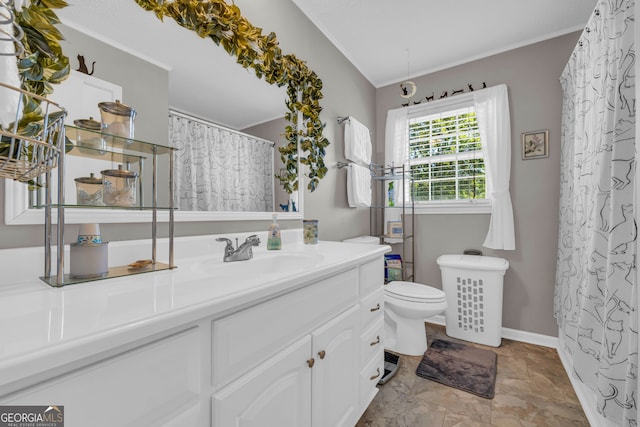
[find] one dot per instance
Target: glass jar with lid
(119, 187)
(88, 136)
(89, 190)
(117, 118)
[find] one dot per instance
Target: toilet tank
(364, 239)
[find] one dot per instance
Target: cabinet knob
(376, 308)
(377, 341)
(311, 362)
(376, 375)
(322, 354)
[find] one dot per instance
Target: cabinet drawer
(369, 377)
(244, 339)
(371, 309)
(371, 340)
(150, 385)
(371, 276)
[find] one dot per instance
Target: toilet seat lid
(411, 291)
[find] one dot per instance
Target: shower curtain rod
(210, 123)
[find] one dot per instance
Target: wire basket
(29, 152)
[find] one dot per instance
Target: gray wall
(145, 86)
(535, 98)
(346, 92)
(531, 74)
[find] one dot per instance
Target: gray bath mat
(460, 366)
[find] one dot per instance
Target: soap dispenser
(274, 241)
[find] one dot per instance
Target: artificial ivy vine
(225, 25)
(43, 62)
(41, 65)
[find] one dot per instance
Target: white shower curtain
(596, 290)
(220, 170)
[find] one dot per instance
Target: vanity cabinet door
(276, 393)
(335, 375)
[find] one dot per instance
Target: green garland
(40, 66)
(43, 62)
(225, 25)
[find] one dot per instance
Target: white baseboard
(513, 334)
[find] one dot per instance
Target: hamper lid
(473, 262)
(414, 291)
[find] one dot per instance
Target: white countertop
(43, 328)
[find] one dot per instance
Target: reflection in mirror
(203, 80)
(218, 169)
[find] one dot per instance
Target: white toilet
(407, 305)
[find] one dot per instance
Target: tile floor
(532, 389)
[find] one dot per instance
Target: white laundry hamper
(473, 285)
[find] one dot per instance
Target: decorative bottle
(274, 241)
(391, 194)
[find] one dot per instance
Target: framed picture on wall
(535, 145)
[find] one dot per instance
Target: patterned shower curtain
(217, 169)
(596, 292)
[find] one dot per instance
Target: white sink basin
(263, 263)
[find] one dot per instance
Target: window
(440, 141)
(446, 159)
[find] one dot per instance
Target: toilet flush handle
(376, 308)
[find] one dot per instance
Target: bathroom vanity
(288, 338)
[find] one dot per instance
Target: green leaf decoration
(43, 63)
(225, 25)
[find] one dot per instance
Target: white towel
(358, 186)
(357, 142)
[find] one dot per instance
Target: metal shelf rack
(118, 149)
(381, 176)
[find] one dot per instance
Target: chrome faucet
(243, 251)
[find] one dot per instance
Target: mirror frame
(18, 212)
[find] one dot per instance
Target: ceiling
(393, 40)
(388, 41)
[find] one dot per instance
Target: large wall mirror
(203, 81)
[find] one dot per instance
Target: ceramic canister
(88, 260)
(89, 234)
(310, 231)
